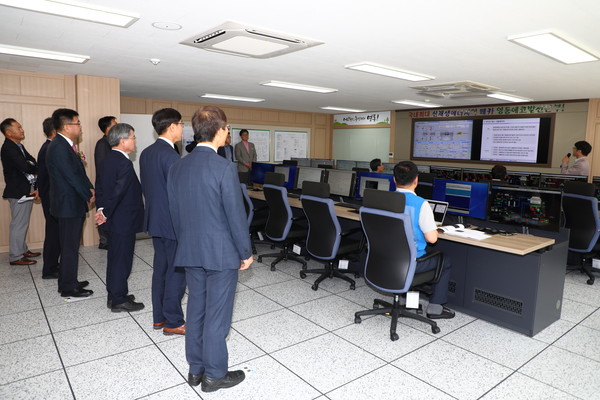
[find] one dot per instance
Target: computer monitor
(289, 171)
(425, 187)
(388, 168)
(521, 178)
(557, 181)
(451, 173)
(314, 162)
(345, 165)
(364, 164)
(290, 162)
(525, 206)
(468, 199)
(302, 162)
(424, 169)
(341, 182)
(596, 182)
(476, 175)
(373, 180)
(308, 174)
(259, 170)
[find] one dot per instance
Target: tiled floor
(293, 343)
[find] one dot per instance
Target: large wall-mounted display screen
(451, 139)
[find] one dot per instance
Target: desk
(516, 281)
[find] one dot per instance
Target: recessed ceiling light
(553, 46)
(389, 71)
(234, 98)
(509, 97)
(417, 103)
(341, 109)
(298, 86)
(167, 26)
(77, 10)
(45, 54)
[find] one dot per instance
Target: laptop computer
(439, 209)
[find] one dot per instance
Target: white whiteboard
(290, 144)
(361, 144)
(261, 139)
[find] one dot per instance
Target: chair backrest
(391, 255)
(274, 178)
(247, 203)
(581, 217)
(581, 188)
(244, 177)
(324, 230)
(381, 200)
(359, 169)
(290, 162)
(280, 216)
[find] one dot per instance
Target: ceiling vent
(246, 41)
(456, 90)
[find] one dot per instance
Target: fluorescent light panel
(298, 86)
(341, 109)
(553, 46)
(417, 103)
(509, 97)
(389, 71)
(45, 54)
(234, 98)
(77, 10)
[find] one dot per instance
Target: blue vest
(413, 208)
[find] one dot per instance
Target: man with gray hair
(121, 210)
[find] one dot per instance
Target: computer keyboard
(349, 205)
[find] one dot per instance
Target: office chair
(326, 241)
(244, 177)
(580, 207)
(358, 169)
(281, 226)
(391, 257)
(290, 162)
(256, 218)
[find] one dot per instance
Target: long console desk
(513, 281)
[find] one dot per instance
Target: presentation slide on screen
(443, 139)
(510, 139)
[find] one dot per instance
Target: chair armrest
(440, 263)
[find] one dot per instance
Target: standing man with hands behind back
(101, 150)
(245, 153)
(213, 243)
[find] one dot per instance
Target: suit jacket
(119, 192)
(43, 179)
(155, 162)
(14, 166)
(101, 150)
(223, 153)
(69, 184)
(242, 156)
(215, 234)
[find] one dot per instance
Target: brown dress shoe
(158, 325)
(174, 331)
(23, 261)
(32, 254)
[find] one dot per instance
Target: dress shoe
(180, 330)
(158, 325)
(230, 379)
(128, 306)
(77, 293)
(53, 275)
(31, 254)
(23, 261)
(194, 379)
(80, 285)
(109, 302)
(103, 246)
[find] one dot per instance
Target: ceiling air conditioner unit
(246, 41)
(454, 90)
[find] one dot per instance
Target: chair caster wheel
(302, 275)
(352, 286)
(357, 320)
(314, 287)
(272, 267)
(394, 336)
(590, 281)
(435, 329)
(259, 259)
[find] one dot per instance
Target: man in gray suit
(213, 243)
(245, 153)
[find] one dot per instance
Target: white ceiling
(453, 40)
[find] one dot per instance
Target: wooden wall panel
(10, 84)
(43, 87)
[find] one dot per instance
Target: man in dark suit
(245, 152)
(213, 243)
(168, 282)
(226, 151)
(51, 243)
(71, 194)
(121, 209)
(101, 150)
(19, 169)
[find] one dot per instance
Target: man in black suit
(121, 209)
(213, 243)
(71, 194)
(168, 282)
(51, 243)
(226, 151)
(19, 169)
(101, 150)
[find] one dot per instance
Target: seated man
(376, 165)
(499, 173)
(424, 231)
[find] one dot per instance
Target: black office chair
(580, 207)
(281, 227)
(244, 177)
(326, 241)
(358, 169)
(257, 218)
(391, 257)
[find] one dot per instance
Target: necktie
(74, 148)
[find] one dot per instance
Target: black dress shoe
(230, 379)
(53, 275)
(109, 301)
(77, 293)
(128, 306)
(80, 285)
(194, 379)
